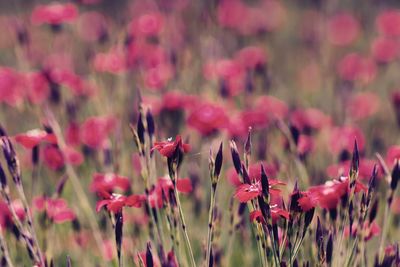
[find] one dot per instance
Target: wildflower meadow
(200, 133)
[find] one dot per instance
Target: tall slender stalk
(210, 223)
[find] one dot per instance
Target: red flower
(251, 57)
(6, 217)
(92, 26)
(112, 62)
(254, 172)
(364, 172)
(53, 157)
(327, 196)
(56, 209)
(11, 86)
(34, 137)
(246, 192)
(208, 118)
(37, 87)
(168, 148)
(54, 13)
(343, 29)
(392, 155)
(149, 24)
(115, 202)
(276, 214)
(108, 182)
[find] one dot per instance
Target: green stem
(210, 223)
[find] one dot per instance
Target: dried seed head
(235, 157)
(395, 176)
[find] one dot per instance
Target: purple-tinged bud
(3, 178)
(355, 162)
(329, 249)
(374, 210)
(248, 144)
(236, 158)
(149, 256)
(140, 129)
(264, 182)
(246, 178)
(150, 124)
(69, 264)
(218, 162)
(118, 233)
(395, 176)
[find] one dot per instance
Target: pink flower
(251, 57)
(92, 26)
(246, 192)
(72, 156)
(310, 118)
(112, 62)
(363, 105)
(384, 50)
(207, 118)
(108, 182)
(37, 87)
(342, 138)
(343, 29)
(354, 67)
(54, 14)
(115, 202)
(276, 214)
(95, 130)
(53, 157)
(168, 148)
(34, 137)
(11, 86)
(56, 209)
(388, 22)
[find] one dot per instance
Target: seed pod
(3, 178)
(69, 264)
(355, 162)
(247, 144)
(246, 178)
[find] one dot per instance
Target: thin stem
(210, 223)
(4, 249)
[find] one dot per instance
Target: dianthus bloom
(115, 202)
(54, 14)
(168, 148)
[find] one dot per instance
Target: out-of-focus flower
(272, 107)
(309, 77)
(342, 139)
(54, 13)
(396, 205)
(363, 105)
(168, 148)
(11, 86)
(305, 144)
(56, 209)
(384, 50)
(72, 134)
(92, 26)
(73, 156)
(6, 217)
(231, 13)
(343, 29)
(148, 24)
(388, 22)
(115, 202)
(365, 169)
(74, 82)
(393, 154)
(34, 137)
(254, 172)
(208, 118)
(251, 57)
(108, 182)
(37, 87)
(112, 62)
(95, 130)
(157, 77)
(53, 157)
(354, 67)
(371, 230)
(176, 100)
(309, 119)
